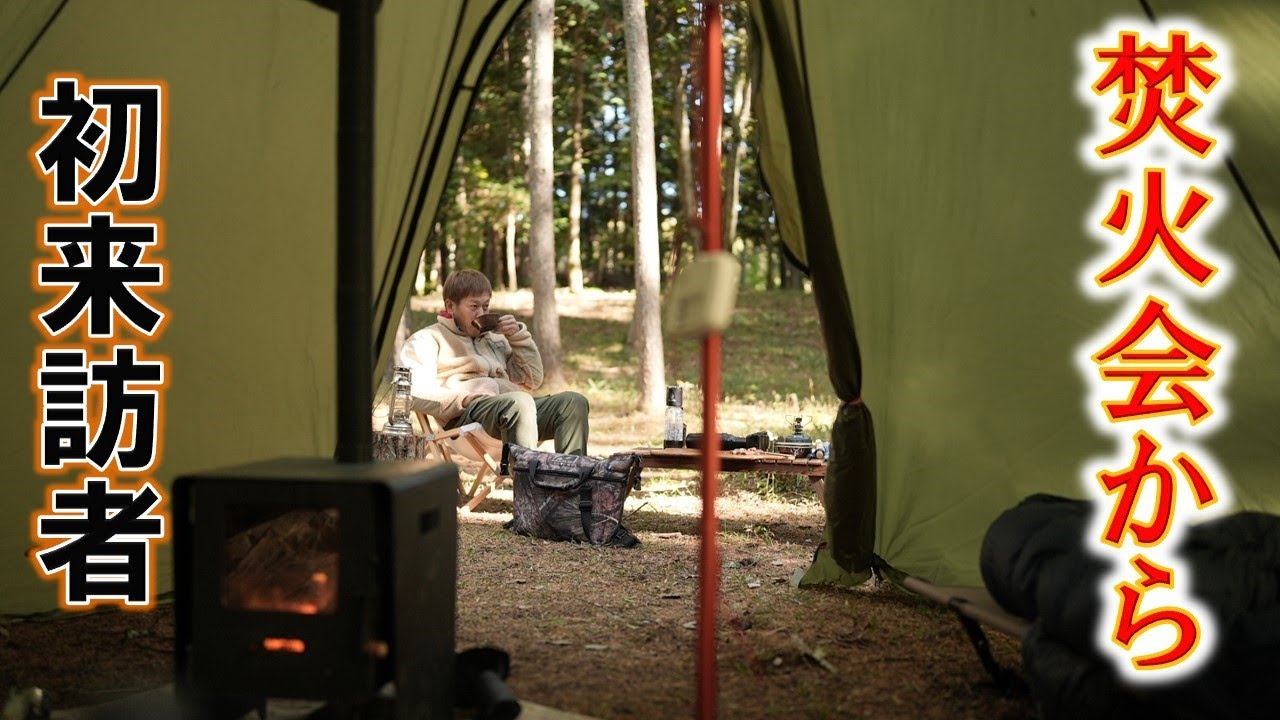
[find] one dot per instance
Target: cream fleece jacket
(448, 365)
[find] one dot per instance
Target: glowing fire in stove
(288, 645)
(318, 594)
(287, 563)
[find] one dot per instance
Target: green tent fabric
(932, 149)
(248, 212)
(922, 158)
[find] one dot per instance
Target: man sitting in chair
(463, 373)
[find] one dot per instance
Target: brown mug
(487, 322)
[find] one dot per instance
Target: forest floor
(611, 633)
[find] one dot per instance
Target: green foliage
(488, 178)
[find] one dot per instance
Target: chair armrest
(445, 434)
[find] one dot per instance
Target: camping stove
(797, 444)
(311, 579)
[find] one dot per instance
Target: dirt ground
(611, 633)
(87, 658)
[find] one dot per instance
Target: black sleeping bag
(1036, 565)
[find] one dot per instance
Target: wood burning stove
(320, 580)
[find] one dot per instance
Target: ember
(275, 644)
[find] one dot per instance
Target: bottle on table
(673, 424)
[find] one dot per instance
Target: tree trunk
(776, 261)
(522, 271)
(513, 283)
(795, 278)
(689, 228)
(491, 265)
(792, 277)
(451, 241)
(643, 200)
(450, 260)
(741, 115)
(602, 258)
(387, 447)
(523, 262)
(403, 331)
(546, 321)
(575, 181)
(437, 265)
(607, 233)
(420, 279)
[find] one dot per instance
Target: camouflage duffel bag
(571, 497)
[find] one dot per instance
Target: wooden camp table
(735, 461)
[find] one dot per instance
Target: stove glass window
(281, 559)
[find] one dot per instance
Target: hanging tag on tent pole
(703, 295)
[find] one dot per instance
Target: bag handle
(586, 503)
(583, 472)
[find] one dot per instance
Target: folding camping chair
(471, 442)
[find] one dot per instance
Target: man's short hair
(464, 284)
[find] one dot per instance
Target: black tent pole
(355, 229)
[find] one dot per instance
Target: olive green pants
(521, 419)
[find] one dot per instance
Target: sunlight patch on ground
(590, 303)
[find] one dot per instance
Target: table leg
(818, 483)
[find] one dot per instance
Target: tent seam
(1236, 175)
(35, 41)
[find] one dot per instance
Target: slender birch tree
(644, 206)
(575, 173)
(542, 246)
(688, 230)
(738, 148)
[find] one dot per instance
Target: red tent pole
(709, 560)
